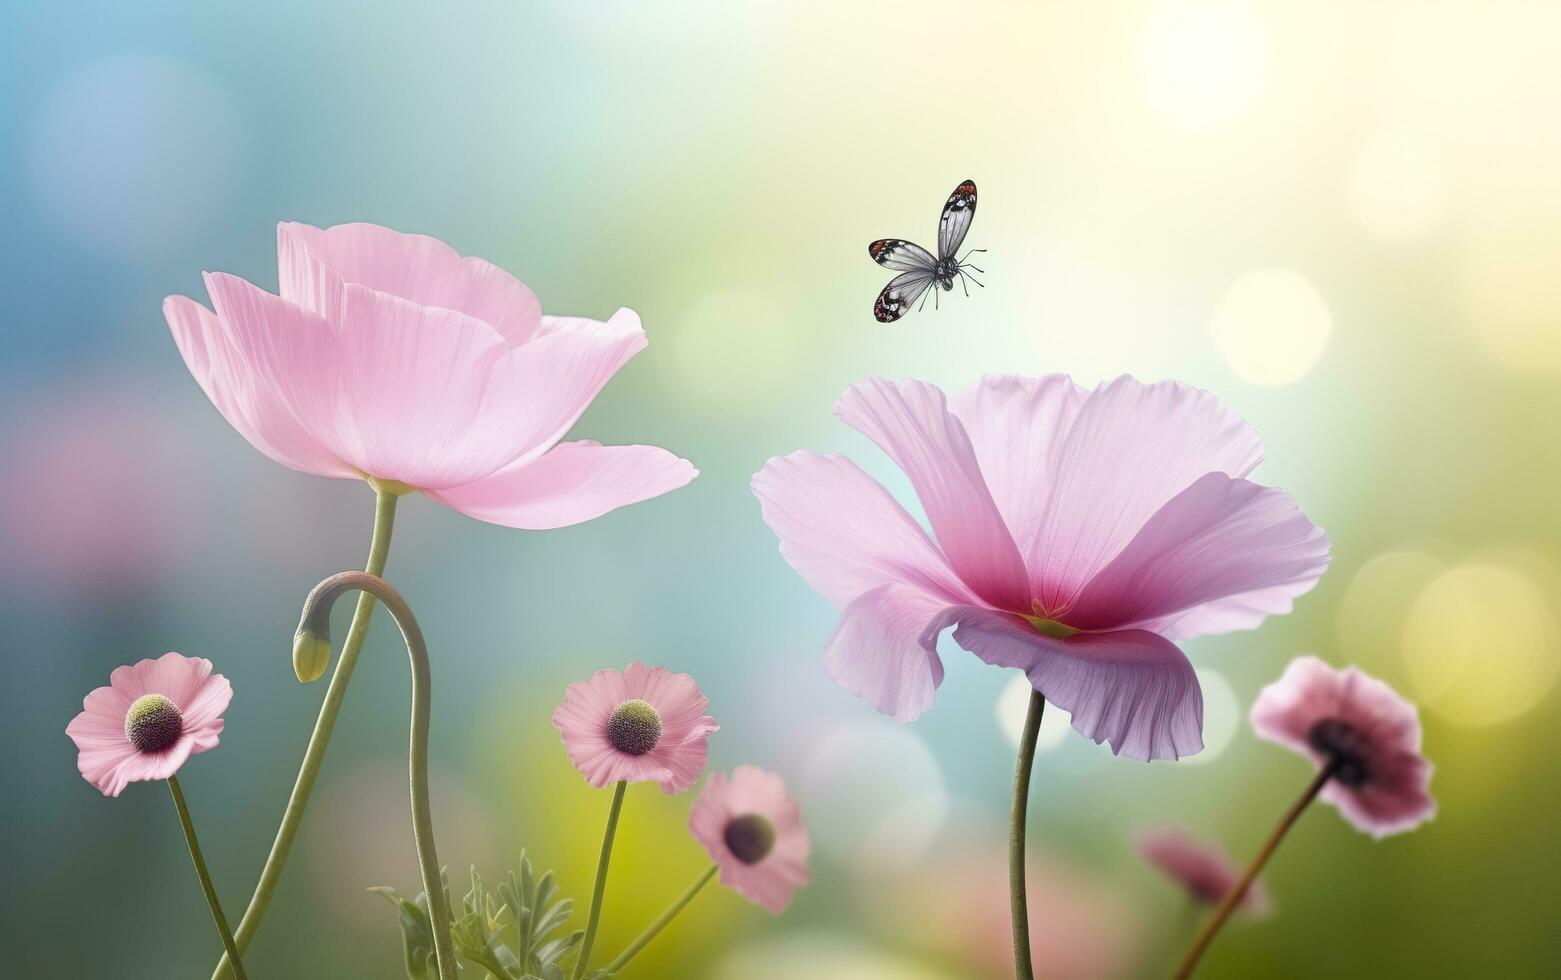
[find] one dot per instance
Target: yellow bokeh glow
(1372, 611)
(1271, 326)
(1481, 644)
(1512, 300)
(1398, 189)
(1205, 62)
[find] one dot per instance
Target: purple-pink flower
(753, 830)
(152, 717)
(1381, 781)
(1201, 868)
(1075, 535)
(645, 724)
(391, 357)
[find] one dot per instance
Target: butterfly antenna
(975, 267)
(971, 252)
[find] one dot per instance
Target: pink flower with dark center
(753, 830)
(1203, 869)
(151, 718)
(645, 724)
(1381, 782)
(391, 357)
(1075, 535)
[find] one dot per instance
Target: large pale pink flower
(1381, 782)
(151, 718)
(1201, 868)
(391, 357)
(645, 724)
(1075, 535)
(753, 830)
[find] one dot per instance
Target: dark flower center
(750, 838)
(1345, 744)
(153, 723)
(634, 727)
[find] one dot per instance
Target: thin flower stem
(1233, 898)
(1018, 904)
(654, 929)
(271, 874)
(205, 877)
(601, 880)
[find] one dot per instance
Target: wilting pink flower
(1077, 534)
(151, 718)
(390, 356)
(1203, 869)
(1382, 782)
(753, 830)
(646, 723)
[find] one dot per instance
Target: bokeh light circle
(1511, 299)
(1221, 715)
(1371, 613)
(1398, 189)
(1271, 326)
(1205, 62)
(1012, 706)
(1481, 643)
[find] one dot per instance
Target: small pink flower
(646, 723)
(151, 718)
(753, 830)
(1204, 870)
(390, 356)
(1382, 783)
(1076, 535)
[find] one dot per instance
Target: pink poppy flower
(1076, 535)
(1382, 782)
(1203, 869)
(151, 718)
(753, 830)
(645, 724)
(391, 357)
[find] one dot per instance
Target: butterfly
(919, 269)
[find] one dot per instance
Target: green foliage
(511, 937)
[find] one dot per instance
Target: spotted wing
(901, 255)
(901, 293)
(958, 213)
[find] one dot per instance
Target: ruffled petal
(1131, 448)
(571, 483)
(879, 651)
(1220, 539)
(844, 533)
(1130, 688)
(910, 421)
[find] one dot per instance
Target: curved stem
(652, 930)
(316, 620)
(1018, 904)
(1227, 905)
(601, 880)
(271, 874)
(205, 877)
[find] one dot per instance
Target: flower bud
(311, 655)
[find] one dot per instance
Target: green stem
(601, 880)
(271, 874)
(1018, 903)
(316, 620)
(1228, 905)
(655, 928)
(205, 876)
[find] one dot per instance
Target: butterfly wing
(901, 255)
(958, 213)
(900, 294)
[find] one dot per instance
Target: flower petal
(315, 265)
(910, 421)
(571, 483)
(1131, 688)
(1131, 448)
(250, 406)
(1220, 539)
(879, 652)
(844, 533)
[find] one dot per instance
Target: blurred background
(1344, 219)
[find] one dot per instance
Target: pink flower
(391, 357)
(646, 723)
(1203, 869)
(1077, 534)
(1382, 782)
(753, 830)
(148, 721)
